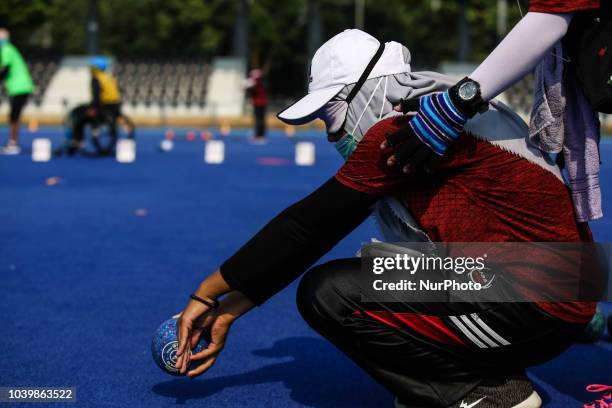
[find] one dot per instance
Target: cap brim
(305, 109)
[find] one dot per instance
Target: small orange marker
(225, 129)
(33, 126)
(206, 135)
(290, 131)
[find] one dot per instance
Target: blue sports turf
(92, 265)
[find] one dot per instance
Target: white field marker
(214, 152)
(126, 151)
(304, 153)
(41, 150)
(166, 145)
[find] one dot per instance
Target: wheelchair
(95, 135)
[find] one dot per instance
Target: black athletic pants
(260, 121)
(497, 339)
(17, 103)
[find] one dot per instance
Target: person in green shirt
(18, 84)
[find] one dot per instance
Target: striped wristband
(438, 122)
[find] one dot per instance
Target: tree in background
(427, 27)
(278, 44)
(175, 28)
(277, 30)
(26, 20)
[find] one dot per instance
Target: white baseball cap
(340, 62)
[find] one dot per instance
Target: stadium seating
(164, 83)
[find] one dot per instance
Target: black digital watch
(466, 96)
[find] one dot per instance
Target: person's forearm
(213, 286)
(295, 239)
(520, 51)
(233, 306)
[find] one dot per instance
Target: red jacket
(479, 193)
(258, 94)
(562, 6)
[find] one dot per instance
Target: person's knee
(310, 284)
(322, 290)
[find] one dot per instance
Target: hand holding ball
(165, 346)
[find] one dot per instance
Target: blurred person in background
(549, 38)
(104, 108)
(74, 129)
(106, 98)
(19, 86)
(105, 93)
(257, 92)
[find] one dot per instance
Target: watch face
(468, 91)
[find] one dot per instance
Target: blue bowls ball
(165, 346)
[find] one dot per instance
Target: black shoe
(516, 391)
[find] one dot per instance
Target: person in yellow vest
(105, 94)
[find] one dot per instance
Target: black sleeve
(4, 71)
(295, 239)
(95, 92)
